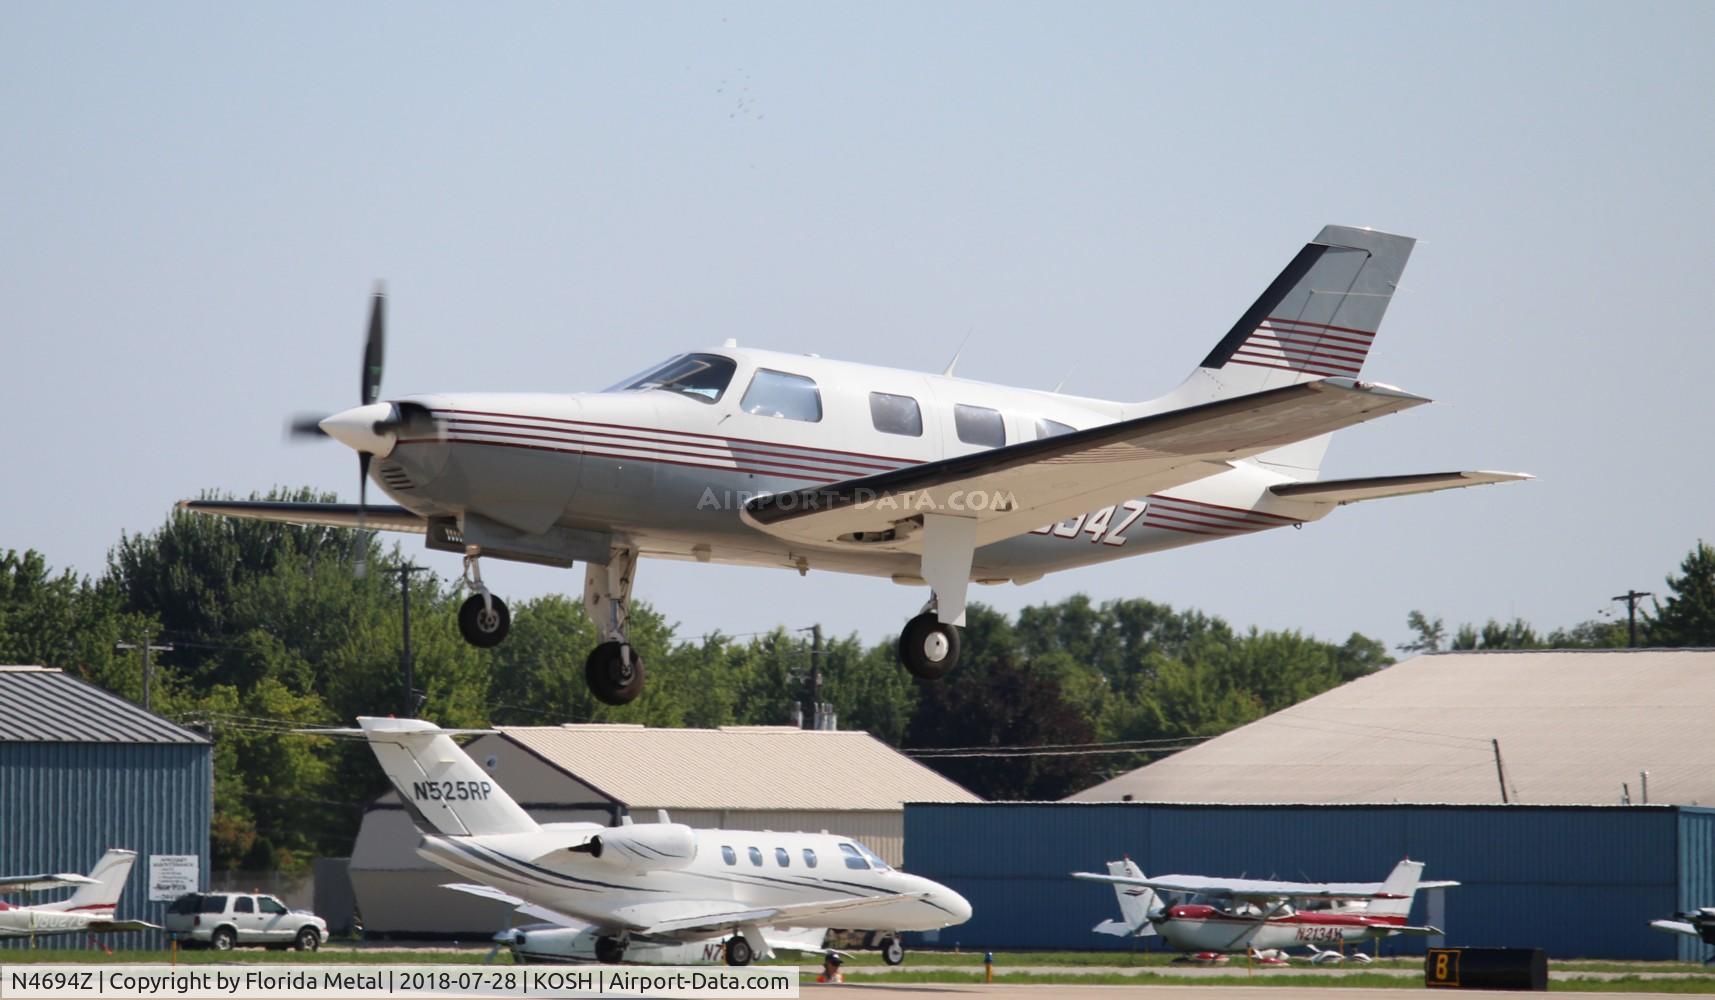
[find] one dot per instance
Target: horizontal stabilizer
(1344, 491)
(1118, 928)
(107, 926)
(1421, 931)
(42, 883)
(1674, 927)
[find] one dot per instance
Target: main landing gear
(929, 646)
(610, 950)
(614, 670)
(892, 950)
(738, 951)
(483, 618)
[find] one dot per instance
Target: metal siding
(1616, 867)
(63, 804)
(1696, 876)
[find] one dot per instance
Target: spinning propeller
(372, 427)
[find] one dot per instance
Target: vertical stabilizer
(1135, 901)
(1398, 890)
(440, 785)
(102, 897)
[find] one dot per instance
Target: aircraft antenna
(956, 354)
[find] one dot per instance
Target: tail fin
(444, 790)
(101, 897)
(1135, 903)
(1316, 320)
(1398, 890)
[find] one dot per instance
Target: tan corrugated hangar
(1573, 727)
(734, 777)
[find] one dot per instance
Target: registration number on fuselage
(450, 791)
(1321, 933)
(1106, 526)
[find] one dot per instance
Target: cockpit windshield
(869, 855)
(703, 377)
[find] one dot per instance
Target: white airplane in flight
(650, 883)
(736, 455)
(1264, 917)
(90, 909)
(1698, 923)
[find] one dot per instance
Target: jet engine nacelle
(643, 846)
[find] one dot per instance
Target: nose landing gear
(483, 618)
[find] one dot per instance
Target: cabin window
(784, 859)
(895, 414)
(756, 856)
(702, 377)
(782, 394)
(243, 904)
(1046, 428)
(729, 855)
(853, 858)
(809, 858)
(268, 904)
(979, 425)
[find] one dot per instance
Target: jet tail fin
(443, 789)
(103, 894)
(1317, 319)
(1398, 890)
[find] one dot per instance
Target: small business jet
(1263, 918)
(1698, 923)
(741, 456)
(647, 883)
(87, 910)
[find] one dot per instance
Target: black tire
(927, 648)
(892, 951)
(223, 939)
(738, 952)
(481, 629)
(613, 677)
(308, 939)
(609, 950)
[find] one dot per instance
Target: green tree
(1687, 617)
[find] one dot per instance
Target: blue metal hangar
(82, 770)
(1569, 791)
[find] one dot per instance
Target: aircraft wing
(1344, 491)
(1014, 489)
(1675, 926)
(104, 926)
(712, 916)
(376, 517)
(1244, 888)
(41, 883)
(528, 909)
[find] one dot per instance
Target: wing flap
(1014, 489)
(376, 517)
(1344, 491)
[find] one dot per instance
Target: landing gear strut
(483, 618)
(614, 670)
(929, 646)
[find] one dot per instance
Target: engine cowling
(643, 847)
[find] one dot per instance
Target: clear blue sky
(198, 196)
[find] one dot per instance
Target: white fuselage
(605, 894)
(29, 921)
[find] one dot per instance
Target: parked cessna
(731, 455)
(1264, 917)
(647, 883)
(1699, 923)
(89, 909)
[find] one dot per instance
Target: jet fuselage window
(784, 859)
(729, 855)
(1046, 428)
(853, 858)
(782, 394)
(895, 414)
(702, 377)
(756, 856)
(243, 904)
(979, 425)
(809, 858)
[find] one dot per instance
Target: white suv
(225, 920)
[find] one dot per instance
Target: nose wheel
(928, 647)
(892, 951)
(483, 618)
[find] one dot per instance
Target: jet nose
(356, 428)
(958, 908)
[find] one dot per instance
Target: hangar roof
(48, 705)
(738, 767)
(1572, 726)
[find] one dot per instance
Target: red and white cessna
(1264, 918)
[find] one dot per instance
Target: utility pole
(1632, 597)
(1500, 772)
(148, 668)
(816, 677)
(408, 707)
